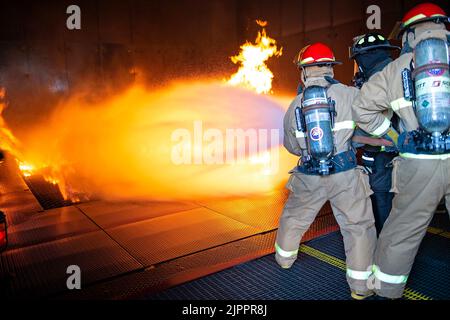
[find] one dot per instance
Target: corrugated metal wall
(159, 40)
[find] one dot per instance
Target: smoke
(165, 144)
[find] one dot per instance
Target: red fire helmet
(314, 55)
(422, 13)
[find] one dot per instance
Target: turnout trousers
(349, 195)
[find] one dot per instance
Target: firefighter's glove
(392, 136)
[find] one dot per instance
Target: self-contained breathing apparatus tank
(316, 120)
(430, 94)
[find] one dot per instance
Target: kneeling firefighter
(417, 87)
(372, 52)
(318, 128)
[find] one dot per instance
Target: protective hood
(315, 75)
(423, 31)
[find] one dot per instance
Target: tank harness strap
(409, 146)
(343, 161)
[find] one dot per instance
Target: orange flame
(127, 152)
(26, 168)
(9, 143)
(122, 147)
(261, 23)
(253, 72)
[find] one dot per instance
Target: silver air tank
(318, 111)
(432, 87)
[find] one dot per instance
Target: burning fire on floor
(184, 141)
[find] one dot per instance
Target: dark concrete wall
(161, 40)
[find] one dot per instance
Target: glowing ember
(253, 72)
(51, 180)
(26, 168)
(43, 170)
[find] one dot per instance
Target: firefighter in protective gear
(420, 177)
(371, 53)
(344, 185)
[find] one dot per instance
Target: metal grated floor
(47, 194)
(314, 278)
(19, 206)
(172, 246)
(168, 237)
(127, 248)
(260, 279)
(49, 225)
(431, 271)
(252, 211)
(109, 214)
(40, 270)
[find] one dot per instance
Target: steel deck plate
(192, 266)
(264, 279)
(19, 206)
(431, 271)
(112, 214)
(156, 240)
(40, 270)
(262, 212)
(430, 274)
(311, 278)
(50, 225)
